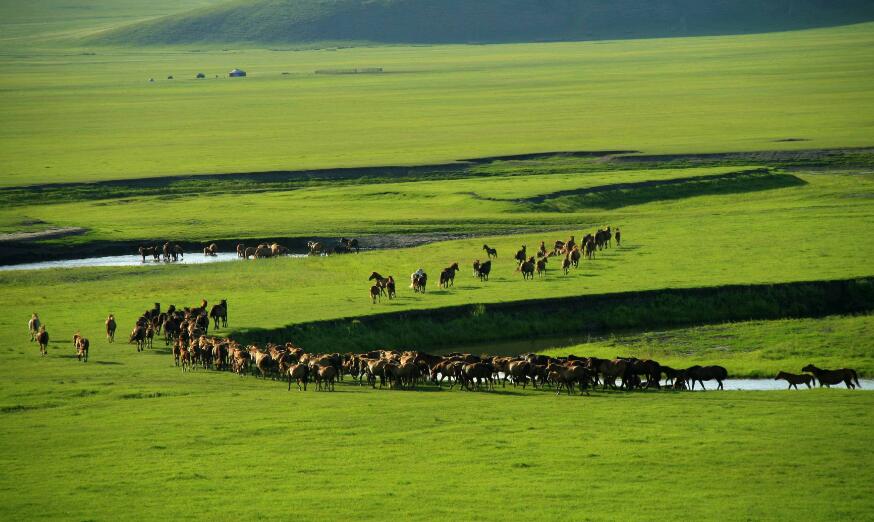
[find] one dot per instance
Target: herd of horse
(570, 251)
(409, 369)
(187, 330)
(174, 252)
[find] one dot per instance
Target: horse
(219, 313)
(575, 257)
(490, 252)
(541, 266)
(541, 252)
(482, 270)
(381, 282)
(299, 373)
(795, 379)
(566, 264)
(418, 281)
(82, 346)
(590, 249)
(42, 337)
(315, 248)
(829, 377)
(375, 293)
(211, 250)
(241, 250)
(706, 373)
(33, 326)
(558, 247)
(326, 375)
(110, 328)
(527, 268)
(521, 255)
(138, 335)
(447, 276)
(390, 287)
(617, 235)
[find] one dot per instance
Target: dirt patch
(49, 233)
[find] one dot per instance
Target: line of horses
(344, 245)
(572, 252)
(168, 253)
(174, 324)
(410, 369)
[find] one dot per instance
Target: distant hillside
(482, 21)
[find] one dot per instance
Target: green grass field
(91, 114)
(129, 436)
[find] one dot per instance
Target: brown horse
(381, 282)
(566, 264)
(829, 377)
(490, 252)
(110, 328)
(375, 293)
(82, 346)
(241, 250)
(527, 269)
(325, 377)
(706, 373)
(541, 266)
(211, 250)
(795, 379)
(42, 337)
(390, 287)
(418, 281)
(299, 373)
(447, 276)
(521, 255)
(482, 270)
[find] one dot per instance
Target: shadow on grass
(625, 194)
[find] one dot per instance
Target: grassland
(90, 114)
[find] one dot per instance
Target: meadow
(89, 142)
(87, 114)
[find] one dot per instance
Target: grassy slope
(208, 445)
(70, 117)
(759, 349)
(460, 21)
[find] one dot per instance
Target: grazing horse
(521, 255)
(829, 377)
(541, 266)
(706, 373)
(527, 269)
(482, 270)
(81, 345)
(110, 328)
(381, 282)
(42, 337)
(795, 379)
(490, 252)
(418, 281)
(447, 276)
(33, 326)
(211, 250)
(148, 251)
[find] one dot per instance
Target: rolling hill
(481, 21)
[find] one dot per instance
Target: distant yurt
(237, 73)
(200, 75)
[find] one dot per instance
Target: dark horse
(706, 373)
(381, 282)
(491, 252)
(482, 270)
(794, 380)
(829, 377)
(447, 276)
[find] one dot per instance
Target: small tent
(237, 73)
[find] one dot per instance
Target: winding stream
(193, 258)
